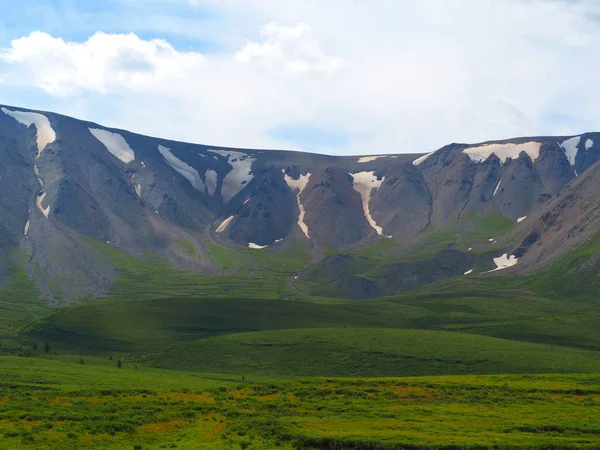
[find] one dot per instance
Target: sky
(338, 76)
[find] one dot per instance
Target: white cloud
(394, 76)
(291, 49)
(103, 62)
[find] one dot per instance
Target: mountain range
(78, 199)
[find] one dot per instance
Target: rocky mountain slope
(72, 188)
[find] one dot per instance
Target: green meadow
(250, 359)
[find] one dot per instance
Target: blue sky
(340, 77)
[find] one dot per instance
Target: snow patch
(26, 230)
(143, 164)
(299, 184)
(470, 249)
(115, 144)
(45, 133)
(364, 183)
(240, 174)
(521, 219)
(366, 159)
(189, 173)
(420, 159)
(138, 190)
(504, 262)
(211, 178)
(256, 246)
(36, 171)
(38, 201)
(224, 224)
(497, 187)
(570, 148)
(503, 151)
(589, 144)
(469, 272)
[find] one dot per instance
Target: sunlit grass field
(57, 405)
(250, 359)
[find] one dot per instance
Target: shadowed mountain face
(70, 187)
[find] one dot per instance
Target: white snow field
(469, 272)
(570, 148)
(223, 226)
(364, 183)
(420, 159)
(211, 178)
(240, 174)
(45, 132)
(186, 171)
(26, 230)
(115, 144)
(38, 201)
(366, 159)
(497, 187)
(589, 144)
(504, 262)
(521, 219)
(300, 185)
(503, 151)
(256, 246)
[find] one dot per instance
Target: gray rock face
(66, 182)
(334, 212)
(268, 213)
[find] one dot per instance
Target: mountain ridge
(70, 180)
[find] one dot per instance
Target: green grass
(466, 305)
(19, 299)
(487, 226)
(573, 276)
(224, 257)
(48, 404)
(222, 361)
(368, 352)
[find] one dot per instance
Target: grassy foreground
(56, 405)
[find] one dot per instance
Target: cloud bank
(387, 76)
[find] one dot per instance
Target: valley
(159, 294)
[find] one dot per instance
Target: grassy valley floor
(50, 404)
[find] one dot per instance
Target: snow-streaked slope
(186, 171)
(26, 229)
(570, 148)
(38, 201)
(364, 183)
(115, 144)
(223, 226)
(240, 174)
(45, 133)
(468, 272)
(420, 159)
(300, 185)
(37, 174)
(521, 219)
(503, 151)
(497, 187)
